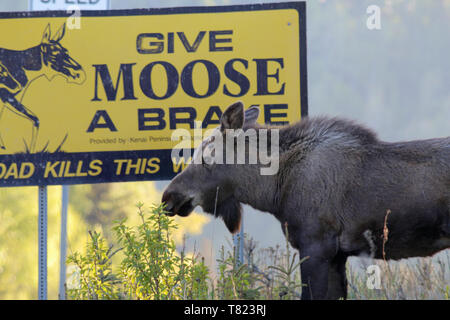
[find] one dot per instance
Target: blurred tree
(18, 241)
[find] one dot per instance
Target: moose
(49, 58)
(333, 190)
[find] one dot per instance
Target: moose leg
(18, 108)
(337, 278)
(314, 273)
(315, 270)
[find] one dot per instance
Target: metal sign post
(63, 243)
(42, 246)
(36, 5)
(238, 241)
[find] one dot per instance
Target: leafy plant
(235, 281)
(151, 267)
(94, 271)
(286, 273)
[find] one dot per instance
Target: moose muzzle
(177, 203)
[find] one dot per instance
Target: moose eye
(207, 162)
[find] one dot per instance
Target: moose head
(57, 58)
(220, 187)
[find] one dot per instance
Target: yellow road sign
(96, 99)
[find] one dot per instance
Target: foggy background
(394, 80)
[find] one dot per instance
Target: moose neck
(31, 59)
(263, 192)
(258, 191)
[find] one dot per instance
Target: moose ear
(60, 33)
(230, 211)
(233, 117)
(46, 35)
(251, 114)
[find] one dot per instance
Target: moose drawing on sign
(19, 68)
